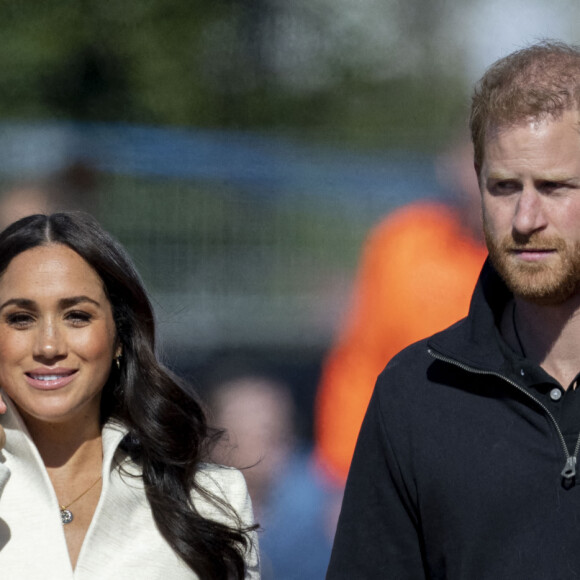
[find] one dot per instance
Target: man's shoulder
(409, 372)
(405, 376)
(415, 356)
(411, 357)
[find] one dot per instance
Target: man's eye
(503, 187)
(549, 186)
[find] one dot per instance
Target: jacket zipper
(569, 471)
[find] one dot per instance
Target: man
(465, 466)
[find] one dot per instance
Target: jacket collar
(475, 340)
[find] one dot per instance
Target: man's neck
(546, 335)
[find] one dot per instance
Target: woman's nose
(49, 343)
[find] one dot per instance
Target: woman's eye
(78, 318)
(20, 320)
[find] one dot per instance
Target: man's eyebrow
(500, 176)
(556, 177)
(559, 178)
(63, 303)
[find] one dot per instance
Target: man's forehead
(496, 128)
(548, 148)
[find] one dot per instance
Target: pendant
(66, 516)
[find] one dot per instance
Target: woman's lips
(50, 379)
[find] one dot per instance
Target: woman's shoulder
(228, 486)
(224, 483)
(228, 502)
(220, 474)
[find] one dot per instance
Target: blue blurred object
(298, 524)
(260, 163)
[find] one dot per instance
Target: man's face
(530, 182)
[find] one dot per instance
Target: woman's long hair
(168, 433)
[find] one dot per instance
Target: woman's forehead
(51, 269)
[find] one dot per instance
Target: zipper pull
(569, 470)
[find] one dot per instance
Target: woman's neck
(67, 445)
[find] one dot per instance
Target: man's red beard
(547, 282)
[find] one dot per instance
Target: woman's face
(57, 335)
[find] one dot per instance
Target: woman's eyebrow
(74, 300)
(20, 302)
(63, 302)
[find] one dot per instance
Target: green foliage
(197, 64)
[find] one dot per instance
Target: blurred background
(242, 149)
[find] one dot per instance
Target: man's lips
(532, 254)
(50, 379)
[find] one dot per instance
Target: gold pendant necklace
(65, 514)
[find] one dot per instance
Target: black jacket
(457, 472)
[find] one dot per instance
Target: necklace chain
(65, 514)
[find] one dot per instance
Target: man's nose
(529, 214)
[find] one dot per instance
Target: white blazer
(122, 541)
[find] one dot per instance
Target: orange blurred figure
(417, 273)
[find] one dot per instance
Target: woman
(104, 447)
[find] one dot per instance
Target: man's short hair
(541, 81)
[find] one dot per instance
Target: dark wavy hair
(168, 432)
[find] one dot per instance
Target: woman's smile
(49, 379)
